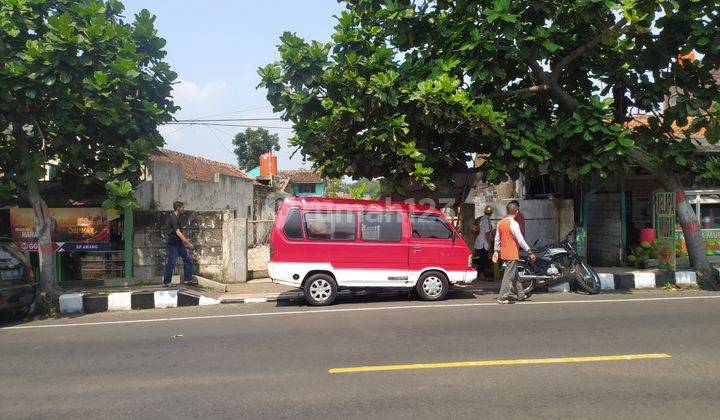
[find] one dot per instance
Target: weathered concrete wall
(168, 185)
(234, 251)
(204, 230)
(266, 202)
(545, 220)
(604, 229)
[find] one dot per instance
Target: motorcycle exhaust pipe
(537, 277)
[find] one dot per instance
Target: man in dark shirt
(178, 245)
(520, 218)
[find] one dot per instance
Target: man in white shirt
(508, 241)
(482, 229)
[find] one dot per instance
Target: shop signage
(71, 229)
(711, 240)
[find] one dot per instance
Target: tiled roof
(302, 176)
(642, 120)
(197, 168)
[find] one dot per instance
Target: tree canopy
(251, 143)
(81, 86)
(412, 88)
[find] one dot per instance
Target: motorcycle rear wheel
(528, 284)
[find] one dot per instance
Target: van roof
(321, 203)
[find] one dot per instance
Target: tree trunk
(687, 219)
(693, 239)
(48, 290)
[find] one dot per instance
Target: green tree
(412, 88)
(80, 84)
(249, 145)
(333, 186)
(370, 188)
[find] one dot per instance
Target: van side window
(331, 226)
(381, 226)
(293, 228)
(429, 226)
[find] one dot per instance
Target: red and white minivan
(322, 245)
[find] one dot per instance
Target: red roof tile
(198, 168)
(642, 120)
(302, 176)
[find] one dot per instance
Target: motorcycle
(555, 262)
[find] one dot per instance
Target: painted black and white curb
(646, 280)
(124, 301)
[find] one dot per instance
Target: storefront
(88, 242)
(707, 208)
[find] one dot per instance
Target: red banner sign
(70, 229)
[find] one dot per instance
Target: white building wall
(166, 185)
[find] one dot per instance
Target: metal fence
(258, 244)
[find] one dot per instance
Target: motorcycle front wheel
(587, 278)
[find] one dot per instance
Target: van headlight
(470, 261)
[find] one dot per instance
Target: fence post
(235, 237)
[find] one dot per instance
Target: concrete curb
(171, 298)
(124, 301)
(646, 280)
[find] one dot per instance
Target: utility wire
(212, 130)
(230, 120)
(237, 112)
(230, 125)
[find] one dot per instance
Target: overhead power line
(220, 124)
(236, 112)
(231, 119)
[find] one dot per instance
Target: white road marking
(339, 310)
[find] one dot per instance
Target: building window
(430, 226)
(381, 226)
(710, 216)
(306, 188)
(335, 226)
(293, 228)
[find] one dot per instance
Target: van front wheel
(320, 290)
(432, 285)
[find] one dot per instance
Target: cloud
(221, 99)
(195, 99)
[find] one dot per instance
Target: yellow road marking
(508, 362)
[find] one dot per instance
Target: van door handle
(416, 248)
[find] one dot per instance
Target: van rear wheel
(432, 285)
(320, 290)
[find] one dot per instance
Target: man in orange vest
(508, 241)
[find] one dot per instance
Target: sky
(216, 46)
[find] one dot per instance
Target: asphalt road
(268, 361)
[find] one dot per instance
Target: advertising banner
(711, 240)
(71, 229)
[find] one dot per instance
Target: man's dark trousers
(173, 252)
